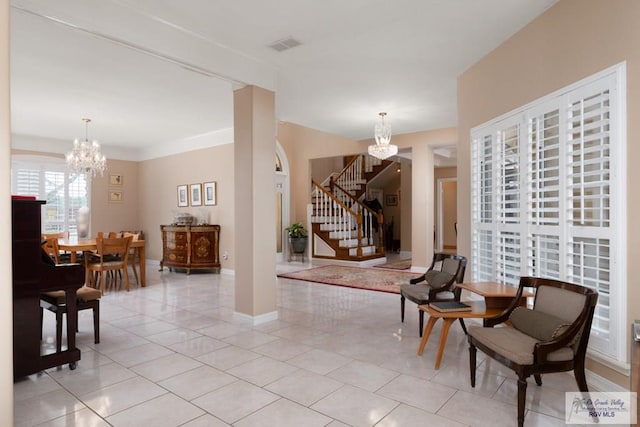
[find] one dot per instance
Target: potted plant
(297, 237)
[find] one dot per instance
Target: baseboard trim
(599, 383)
(256, 320)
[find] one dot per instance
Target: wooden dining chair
(56, 255)
(55, 301)
(132, 252)
(111, 256)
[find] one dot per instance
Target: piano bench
(55, 302)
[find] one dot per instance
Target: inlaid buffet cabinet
(190, 247)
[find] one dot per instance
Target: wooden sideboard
(190, 247)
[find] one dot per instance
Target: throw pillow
(437, 279)
(541, 326)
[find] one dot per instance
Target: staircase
(343, 227)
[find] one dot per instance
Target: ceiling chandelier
(86, 156)
(382, 149)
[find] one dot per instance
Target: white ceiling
(154, 74)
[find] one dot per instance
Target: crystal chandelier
(86, 156)
(382, 149)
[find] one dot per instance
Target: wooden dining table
(74, 246)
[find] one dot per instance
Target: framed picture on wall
(116, 196)
(210, 193)
(115, 179)
(391, 200)
(183, 196)
(195, 191)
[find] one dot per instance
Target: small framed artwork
(115, 179)
(195, 191)
(183, 196)
(116, 196)
(210, 193)
(391, 200)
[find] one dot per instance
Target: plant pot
(298, 244)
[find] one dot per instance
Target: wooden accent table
(497, 297)
(478, 311)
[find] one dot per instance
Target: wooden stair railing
(358, 170)
(341, 220)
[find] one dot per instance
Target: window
(46, 178)
(547, 198)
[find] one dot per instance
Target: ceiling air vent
(284, 44)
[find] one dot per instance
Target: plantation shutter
(483, 208)
(589, 189)
(47, 179)
(546, 199)
(543, 195)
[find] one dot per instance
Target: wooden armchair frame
(575, 337)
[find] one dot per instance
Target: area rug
(402, 264)
(354, 277)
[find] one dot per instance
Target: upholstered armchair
(437, 284)
(551, 337)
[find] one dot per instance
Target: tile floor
(172, 354)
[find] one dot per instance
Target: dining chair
(135, 236)
(439, 284)
(551, 337)
(54, 301)
(57, 256)
(111, 256)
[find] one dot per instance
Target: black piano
(34, 273)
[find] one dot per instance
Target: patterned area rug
(402, 264)
(354, 277)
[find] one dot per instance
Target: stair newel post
(380, 243)
(359, 227)
(369, 228)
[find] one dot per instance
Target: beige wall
(6, 301)
(158, 180)
(107, 215)
(572, 40)
(322, 168)
(302, 144)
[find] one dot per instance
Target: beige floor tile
(364, 375)
(123, 395)
(417, 392)
(166, 367)
(283, 413)
(83, 417)
(45, 407)
(235, 401)
(167, 410)
(262, 371)
(408, 416)
(304, 387)
(196, 382)
(228, 357)
(319, 361)
(474, 410)
(354, 406)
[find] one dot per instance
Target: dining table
(73, 246)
